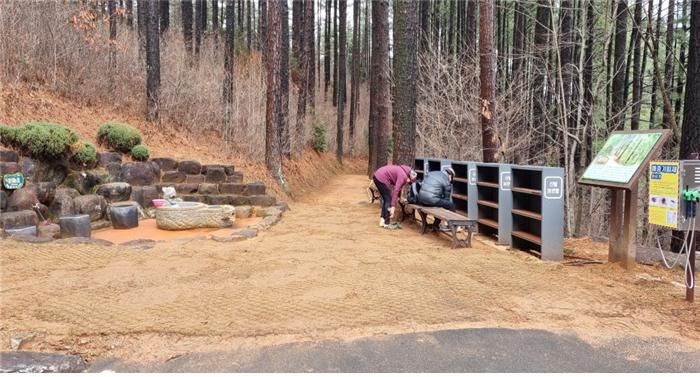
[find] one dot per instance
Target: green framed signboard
(623, 158)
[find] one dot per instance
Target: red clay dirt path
(326, 271)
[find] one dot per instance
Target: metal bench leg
(424, 221)
(453, 229)
(470, 229)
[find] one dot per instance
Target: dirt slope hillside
(20, 104)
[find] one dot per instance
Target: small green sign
(13, 181)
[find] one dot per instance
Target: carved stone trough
(190, 215)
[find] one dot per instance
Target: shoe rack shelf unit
(424, 165)
(464, 189)
(494, 200)
(419, 165)
(537, 212)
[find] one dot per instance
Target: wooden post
(628, 251)
(616, 212)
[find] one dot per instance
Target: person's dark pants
(442, 203)
(386, 199)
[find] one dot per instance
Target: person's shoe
(391, 227)
(381, 222)
(397, 225)
(444, 228)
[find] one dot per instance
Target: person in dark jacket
(390, 180)
(436, 190)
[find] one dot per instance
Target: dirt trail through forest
(325, 271)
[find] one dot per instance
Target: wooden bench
(453, 220)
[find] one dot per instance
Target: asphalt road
(466, 350)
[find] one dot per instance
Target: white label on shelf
(506, 181)
(472, 176)
(553, 188)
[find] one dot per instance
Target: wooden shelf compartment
(459, 196)
(487, 203)
(488, 184)
(524, 190)
(488, 222)
(526, 213)
(527, 237)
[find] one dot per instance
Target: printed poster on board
(663, 193)
(621, 156)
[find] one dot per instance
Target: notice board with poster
(623, 158)
(618, 166)
(664, 177)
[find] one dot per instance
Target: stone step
(18, 219)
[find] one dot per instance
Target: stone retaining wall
(56, 189)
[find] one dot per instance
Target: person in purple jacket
(389, 180)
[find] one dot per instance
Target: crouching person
(436, 191)
(389, 180)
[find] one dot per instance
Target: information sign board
(620, 160)
(663, 193)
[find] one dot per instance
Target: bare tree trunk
(286, 140)
(229, 54)
(197, 29)
(164, 16)
(215, 18)
(669, 65)
(424, 24)
(539, 87)
(112, 44)
(365, 45)
(306, 85)
(355, 72)
(681, 63)
(690, 140)
(380, 90)
(335, 53)
(203, 15)
(487, 60)
(262, 27)
(249, 25)
(327, 51)
(187, 17)
(309, 32)
(152, 62)
(130, 13)
(655, 57)
(451, 28)
(342, 4)
(619, 102)
(519, 38)
(470, 36)
(141, 23)
(637, 71)
(297, 32)
(405, 78)
(273, 110)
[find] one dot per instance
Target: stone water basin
(191, 215)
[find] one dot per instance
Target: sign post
(618, 167)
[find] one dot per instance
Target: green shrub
(319, 137)
(85, 155)
(140, 153)
(8, 136)
(118, 136)
(44, 140)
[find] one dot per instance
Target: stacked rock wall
(55, 190)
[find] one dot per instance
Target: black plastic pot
(124, 216)
(75, 226)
